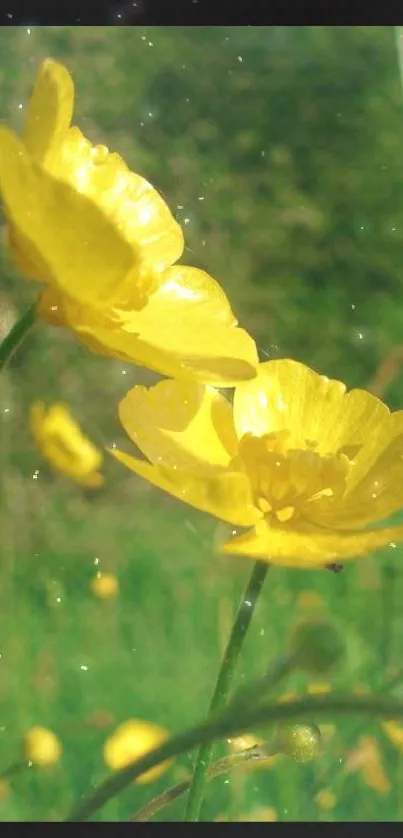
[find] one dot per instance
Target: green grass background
(279, 149)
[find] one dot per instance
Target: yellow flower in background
(41, 746)
(366, 759)
(310, 468)
(394, 732)
(104, 242)
(62, 443)
(132, 740)
(326, 799)
(105, 586)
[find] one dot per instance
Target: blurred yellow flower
(326, 799)
(104, 242)
(61, 441)
(307, 466)
(394, 732)
(41, 746)
(132, 740)
(366, 759)
(105, 586)
(318, 688)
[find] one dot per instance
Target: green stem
(16, 335)
(222, 766)
(229, 724)
(14, 769)
(225, 675)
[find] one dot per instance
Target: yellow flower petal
(225, 494)
(180, 424)
(374, 486)
(305, 546)
(127, 199)
(186, 330)
(288, 395)
(50, 109)
(85, 255)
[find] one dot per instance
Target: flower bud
(317, 647)
(302, 742)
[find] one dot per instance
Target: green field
(279, 150)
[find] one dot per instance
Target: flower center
(286, 480)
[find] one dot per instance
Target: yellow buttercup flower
(105, 586)
(132, 740)
(41, 746)
(310, 468)
(62, 443)
(366, 759)
(104, 242)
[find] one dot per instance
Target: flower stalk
(16, 335)
(225, 675)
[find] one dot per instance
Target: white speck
(20, 107)
(201, 198)
(6, 410)
(248, 603)
(35, 474)
(9, 15)
(240, 59)
(353, 306)
(226, 782)
(392, 544)
(28, 31)
(186, 220)
(261, 632)
(360, 335)
(96, 560)
(84, 668)
(150, 44)
(263, 154)
(187, 100)
(124, 372)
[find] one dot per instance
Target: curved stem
(225, 675)
(16, 335)
(227, 724)
(222, 766)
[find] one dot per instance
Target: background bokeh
(279, 149)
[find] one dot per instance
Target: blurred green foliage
(279, 150)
